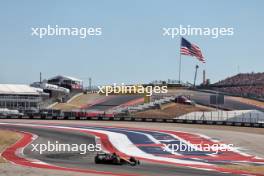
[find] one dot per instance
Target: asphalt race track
(86, 162)
(204, 98)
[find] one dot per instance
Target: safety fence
(249, 116)
(137, 119)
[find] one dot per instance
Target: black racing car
(113, 158)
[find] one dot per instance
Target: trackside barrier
(137, 119)
(242, 116)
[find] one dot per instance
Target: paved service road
(204, 98)
(113, 101)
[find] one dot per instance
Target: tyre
(138, 162)
(96, 160)
(134, 161)
(117, 161)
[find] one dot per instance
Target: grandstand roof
(18, 89)
(66, 77)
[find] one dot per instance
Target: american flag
(190, 49)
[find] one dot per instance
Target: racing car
(113, 158)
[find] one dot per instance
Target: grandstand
(250, 85)
(66, 82)
(60, 89)
(20, 97)
(51, 87)
(243, 79)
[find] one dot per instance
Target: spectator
(247, 85)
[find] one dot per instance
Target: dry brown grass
(7, 138)
(78, 102)
(171, 110)
(246, 167)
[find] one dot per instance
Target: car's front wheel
(134, 161)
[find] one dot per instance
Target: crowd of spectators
(243, 79)
(244, 84)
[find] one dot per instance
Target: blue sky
(132, 48)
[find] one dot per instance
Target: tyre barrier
(138, 119)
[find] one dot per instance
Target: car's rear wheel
(117, 160)
(96, 160)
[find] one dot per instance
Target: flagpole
(180, 64)
(180, 69)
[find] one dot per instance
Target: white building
(19, 96)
